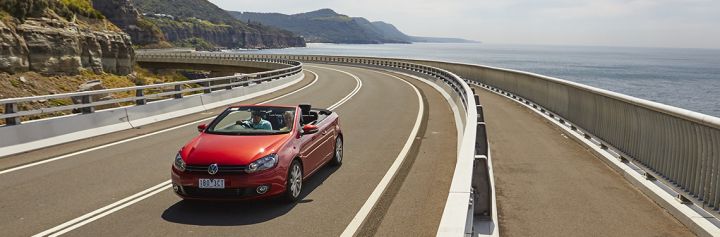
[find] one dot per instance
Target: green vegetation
(184, 20)
(197, 43)
(22, 9)
(82, 7)
(183, 9)
(327, 26)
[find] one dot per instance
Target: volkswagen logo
(213, 169)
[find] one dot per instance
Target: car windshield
(253, 120)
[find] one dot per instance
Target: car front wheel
(294, 183)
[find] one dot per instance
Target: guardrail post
(12, 108)
(482, 192)
(207, 90)
(178, 95)
(140, 93)
(229, 86)
(480, 114)
(87, 99)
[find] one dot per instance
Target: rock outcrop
(123, 14)
(52, 45)
(183, 20)
(225, 35)
(13, 50)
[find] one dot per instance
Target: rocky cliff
(223, 35)
(52, 45)
(200, 20)
(323, 26)
(123, 14)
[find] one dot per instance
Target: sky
(632, 23)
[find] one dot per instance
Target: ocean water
(685, 78)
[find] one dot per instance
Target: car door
(327, 147)
(310, 151)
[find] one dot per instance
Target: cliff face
(325, 26)
(224, 35)
(123, 14)
(13, 50)
(189, 20)
(52, 45)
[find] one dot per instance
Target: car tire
(293, 185)
(338, 152)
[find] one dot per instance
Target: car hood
(230, 150)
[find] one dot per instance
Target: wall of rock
(55, 46)
(123, 14)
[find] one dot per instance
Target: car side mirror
(309, 129)
(201, 127)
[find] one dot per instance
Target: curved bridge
(418, 157)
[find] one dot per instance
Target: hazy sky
(650, 23)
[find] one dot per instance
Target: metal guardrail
(12, 115)
(679, 147)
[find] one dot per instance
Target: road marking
(358, 85)
(138, 137)
(125, 202)
(75, 223)
(364, 211)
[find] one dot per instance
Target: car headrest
(305, 108)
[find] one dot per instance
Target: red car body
(312, 145)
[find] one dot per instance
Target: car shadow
(241, 213)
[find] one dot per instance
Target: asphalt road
(376, 124)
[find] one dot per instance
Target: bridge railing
(471, 194)
(139, 95)
(678, 147)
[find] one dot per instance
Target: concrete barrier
(57, 130)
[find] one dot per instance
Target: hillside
(328, 26)
(323, 26)
(203, 23)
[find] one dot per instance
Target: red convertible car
(257, 151)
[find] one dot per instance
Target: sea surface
(685, 78)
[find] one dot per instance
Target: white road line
(103, 209)
(364, 211)
(352, 93)
(138, 137)
(295, 91)
(119, 205)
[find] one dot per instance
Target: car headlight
(264, 163)
(179, 162)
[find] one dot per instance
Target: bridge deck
(549, 185)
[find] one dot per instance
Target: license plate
(211, 183)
